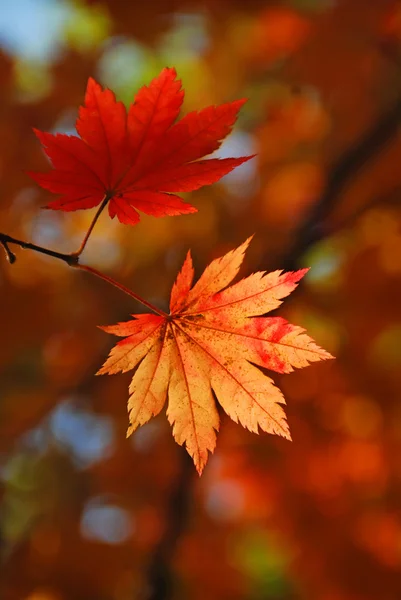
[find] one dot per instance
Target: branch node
(72, 260)
(9, 254)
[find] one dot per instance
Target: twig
(72, 260)
(10, 255)
(69, 259)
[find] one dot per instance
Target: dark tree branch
(390, 199)
(160, 584)
(313, 228)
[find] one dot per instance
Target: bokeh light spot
(31, 29)
(106, 522)
(88, 437)
(225, 500)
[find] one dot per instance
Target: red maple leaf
(135, 160)
(211, 340)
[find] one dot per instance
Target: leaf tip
(92, 85)
(200, 464)
(303, 272)
(327, 355)
(245, 245)
(240, 103)
(171, 71)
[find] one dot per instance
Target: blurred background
(88, 515)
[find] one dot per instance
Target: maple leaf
(211, 342)
(136, 160)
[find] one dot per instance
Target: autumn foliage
(86, 513)
(212, 339)
(135, 161)
(210, 342)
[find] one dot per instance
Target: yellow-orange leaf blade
(142, 334)
(216, 276)
(250, 398)
(270, 342)
(257, 294)
(191, 407)
(149, 385)
(246, 394)
(182, 285)
(213, 341)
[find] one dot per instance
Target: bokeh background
(85, 513)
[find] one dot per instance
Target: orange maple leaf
(211, 342)
(135, 160)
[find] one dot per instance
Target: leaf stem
(91, 226)
(121, 287)
(72, 260)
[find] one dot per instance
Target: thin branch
(69, 259)
(91, 226)
(9, 255)
(72, 260)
